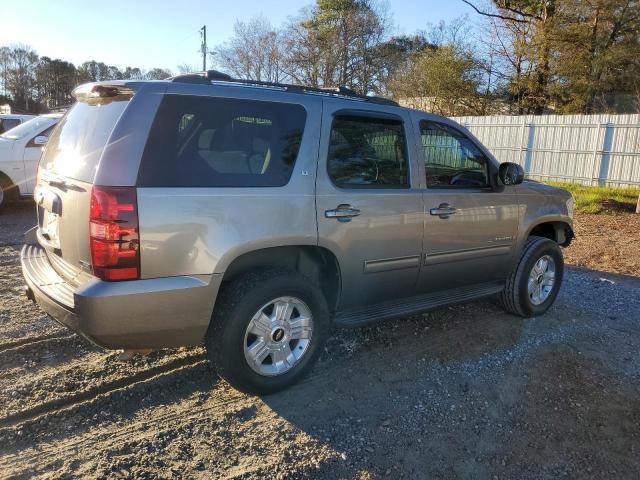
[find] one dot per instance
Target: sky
(163, 33)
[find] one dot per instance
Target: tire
(6, 192)
(517, 297)
(229, 335)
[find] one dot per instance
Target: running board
(357, 317)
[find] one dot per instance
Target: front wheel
(266, 330)
(534, 284)
(6, 192)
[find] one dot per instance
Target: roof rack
(216, 76)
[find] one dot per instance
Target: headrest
(204, 142)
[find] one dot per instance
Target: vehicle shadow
(440, 395)
(371, 382)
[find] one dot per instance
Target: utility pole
(203, 35)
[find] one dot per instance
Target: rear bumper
(153, 313)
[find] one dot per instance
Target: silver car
(256, 216)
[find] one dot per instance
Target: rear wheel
(535, 282)
(266, 330)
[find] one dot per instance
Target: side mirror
(511, 173)
(40, 140)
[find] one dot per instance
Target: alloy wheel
(278, 336)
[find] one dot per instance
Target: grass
(589, 199)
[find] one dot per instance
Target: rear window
(221, 142)
(75, 147)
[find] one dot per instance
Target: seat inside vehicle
(238, 147)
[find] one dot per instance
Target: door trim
(388, 264)
(467, 254)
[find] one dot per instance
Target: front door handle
(443, 210)
(343, 213)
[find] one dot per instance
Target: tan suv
(256, 216)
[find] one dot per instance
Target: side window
(367, 152)
(44, 133)
(451, 159)
(9, 123)
(222, 142)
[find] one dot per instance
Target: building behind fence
(587, 149)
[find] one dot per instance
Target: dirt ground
(463, 392)
(607, 242)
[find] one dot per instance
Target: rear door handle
(443, 210)
(343, 213)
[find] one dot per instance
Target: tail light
(113, 233)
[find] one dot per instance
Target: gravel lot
(463, 392)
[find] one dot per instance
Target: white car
(20, 151)
(9, 121)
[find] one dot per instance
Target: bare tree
(158, 74)
(336, 42)
(254, 52)
(304, 52)
(23, 61)
(186, 68)
(5, 64)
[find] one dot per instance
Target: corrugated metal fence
(587, 149)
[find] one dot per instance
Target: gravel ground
(463, 392)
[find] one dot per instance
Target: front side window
(222, 142)
(451, 159)
(30, 127)
(8, 124)
(367, 153)
(45, 133)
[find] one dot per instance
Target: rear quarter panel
(120, 159)
(190, 231)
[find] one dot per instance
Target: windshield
(29, 128)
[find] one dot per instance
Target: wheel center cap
(277, 334)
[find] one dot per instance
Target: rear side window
(221, 142)
(75, 147)
(367, 152)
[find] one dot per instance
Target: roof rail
(216, 76)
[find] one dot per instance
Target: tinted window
(222, 142)
(367, 153)
(8, 124)
(75, 147)
(451, 159)
(28, 128)
(45, 133)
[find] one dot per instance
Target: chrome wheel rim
(278, 336)
(541, 279)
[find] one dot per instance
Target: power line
(173, 45)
